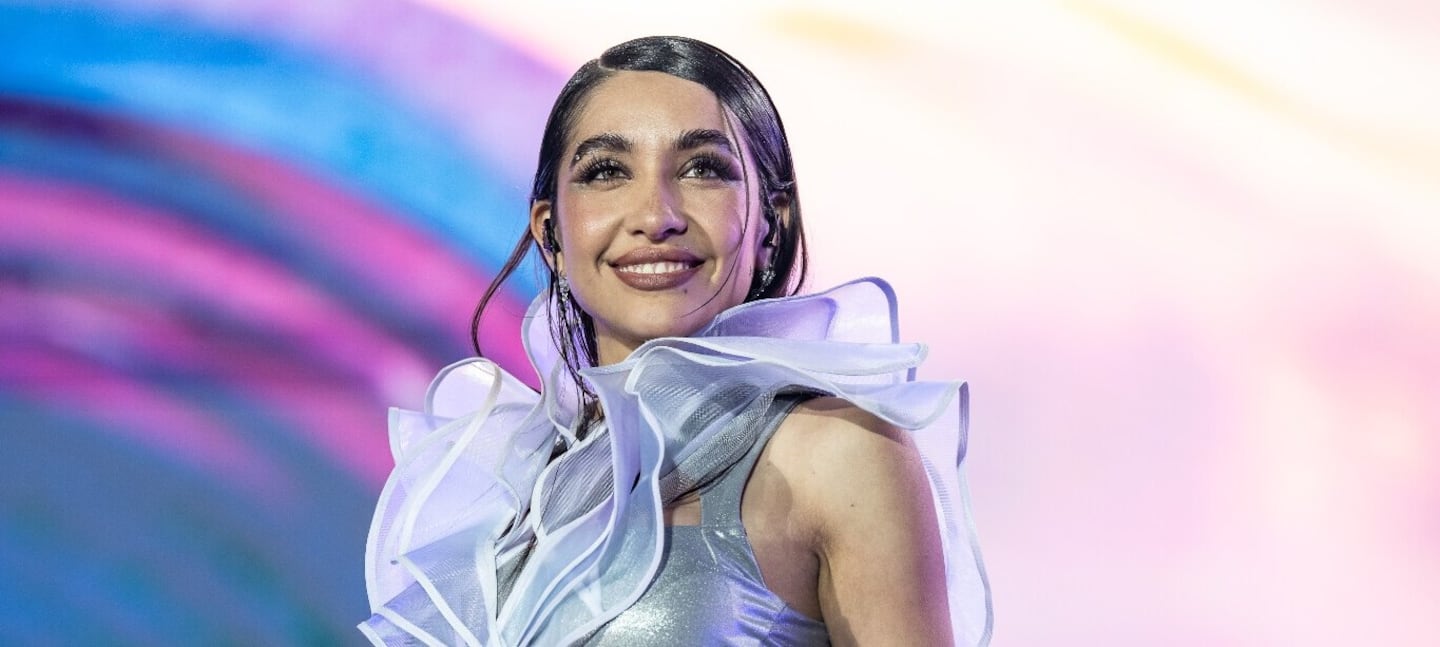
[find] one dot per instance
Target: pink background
(1187, 256)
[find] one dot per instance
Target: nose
(658, 214)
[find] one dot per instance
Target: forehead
(648, 107)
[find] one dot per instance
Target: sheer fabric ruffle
(477, 541)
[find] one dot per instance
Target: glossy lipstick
(655, 268)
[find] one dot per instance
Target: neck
(610, 349)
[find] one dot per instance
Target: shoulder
(848, 464)
(861, 487)
(829, 433)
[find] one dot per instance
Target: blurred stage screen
(1186, 254)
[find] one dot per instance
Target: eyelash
(591, 172)
(722, 169)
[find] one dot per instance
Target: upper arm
(882, 568)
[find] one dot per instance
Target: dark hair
(743, 96)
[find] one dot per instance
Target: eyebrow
(688, 140)
(692, 139)
(601, 142)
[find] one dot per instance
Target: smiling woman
(659, 228)
(711, 459)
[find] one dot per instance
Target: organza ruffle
(477, 541)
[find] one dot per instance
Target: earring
(772, 234)
(551, 244)
(766, 276)
(564, 287)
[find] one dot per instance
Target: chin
(643, 321)
(648, 325)
(676, 327)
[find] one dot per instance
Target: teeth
(665, 267)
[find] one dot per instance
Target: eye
(601, 170)
(708, 166)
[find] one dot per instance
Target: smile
(656, 268)
(666, 267)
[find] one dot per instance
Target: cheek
(723, 217)
(582, 227)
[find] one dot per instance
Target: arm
(882, 569)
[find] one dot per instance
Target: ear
(541, 216)
(780, 208)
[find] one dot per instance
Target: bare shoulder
(860, 486)
(835, 442)
(845, 467)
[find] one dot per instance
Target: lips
(655, 268)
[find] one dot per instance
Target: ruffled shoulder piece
(477, 541)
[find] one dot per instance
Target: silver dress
(708, 590)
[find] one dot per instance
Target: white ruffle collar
(475, 462)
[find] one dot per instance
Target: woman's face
(657, 211)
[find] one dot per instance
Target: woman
(710, 461)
